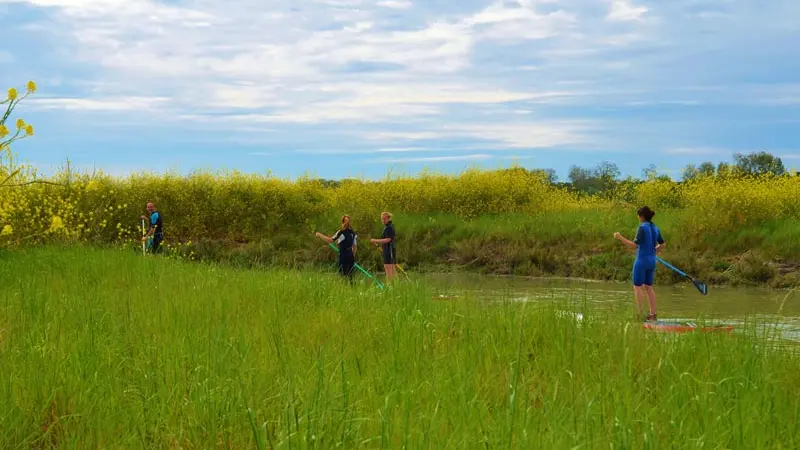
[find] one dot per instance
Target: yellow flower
(20, 124)
(31, 87)
(56, 224)
(28, 130)
(3, 131)
(7, 230)
(12, 94)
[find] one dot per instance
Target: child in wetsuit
(648, 242)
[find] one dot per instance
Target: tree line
(606, 175)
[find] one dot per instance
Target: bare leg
(651, 298)
(639, 294)
(389, 272)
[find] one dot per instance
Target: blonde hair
(348, 221)
(387, 214)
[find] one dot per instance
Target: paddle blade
(700, 286)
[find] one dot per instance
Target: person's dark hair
(647, 213)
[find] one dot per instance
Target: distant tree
(650, 172)
(602, 178)
(759, 163)
(706, 169)
(578, 174)
(607, 171)
(552, 178)
(726, 170)
(690, 172)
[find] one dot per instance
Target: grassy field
(108, 349)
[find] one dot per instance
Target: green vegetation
(102, 348)
(733, 223)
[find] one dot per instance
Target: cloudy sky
(358, 87)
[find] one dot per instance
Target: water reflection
(778, 311)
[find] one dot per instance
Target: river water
(726, 305)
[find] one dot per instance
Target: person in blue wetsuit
(347, 241)
(156, 230)
(647, 243)
(387, 242)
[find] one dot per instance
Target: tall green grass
(115, 350)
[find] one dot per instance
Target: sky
(362, 88)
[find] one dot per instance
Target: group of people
(346, 239)
(648, 243)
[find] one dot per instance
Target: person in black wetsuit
(387, 242)
(347, 241)
(156, 230)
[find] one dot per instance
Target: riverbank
(570, 245)
(725, 230)
(106, 347)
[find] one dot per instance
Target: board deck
(677, 326)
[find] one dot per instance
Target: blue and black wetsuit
(157, 225)
(346, 240)
(389, 254)
(644, 268)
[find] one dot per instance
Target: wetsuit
(389, 254)
(644, 268)
(157, 224)
(346, 240)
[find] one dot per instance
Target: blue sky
(341, 88)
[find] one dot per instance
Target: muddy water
(682, 302)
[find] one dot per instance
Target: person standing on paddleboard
(648, 243)
(347, 240)
(156, 230)
(387, 242)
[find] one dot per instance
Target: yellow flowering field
(529, 224)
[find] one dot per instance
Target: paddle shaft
(358, 267)
(673, 268)
(698, 284)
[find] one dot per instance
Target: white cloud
(396, 4)
(624, 11)
(499, 21)
(511, 135)
(400, 149)
(113, 104)
(393, 71)
(476, 157)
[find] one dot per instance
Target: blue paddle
(697, 283)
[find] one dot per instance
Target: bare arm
(381, 241)
(626, 242)
(660, 247)
(323, 237)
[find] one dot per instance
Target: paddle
(697, 283)
(396, 264)
(359, 267)
(143, 233)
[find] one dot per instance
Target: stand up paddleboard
(677, 326)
